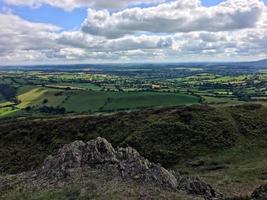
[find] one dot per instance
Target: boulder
(195, 186)
(260, 193)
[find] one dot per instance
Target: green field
(214, 100)
(97, 101)
(92, 101)
(86, 86)
(7, 111)
(87, 98)
(82, 92)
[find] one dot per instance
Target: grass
(24, 89)
(6, 104)
(209, 99)
(96, 190)
(4, 112)
(240, 170)
(35, 97)
(86, 100)
(229, 79)
(148, 99)
(97, 101)
(87, 86)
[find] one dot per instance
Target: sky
(114, 31)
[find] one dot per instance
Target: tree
(45, 101)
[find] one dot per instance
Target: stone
(195, 186)
(260, 193)
(132, 165)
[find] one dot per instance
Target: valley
(28, 92)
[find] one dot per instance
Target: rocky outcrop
(100, 154)
(133, 166)
(260, 193)
(76, 155)
(125, 163)
(195, 186)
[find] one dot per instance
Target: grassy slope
(239, 170)
(35, 97)
(231, 141)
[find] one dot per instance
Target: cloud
(80, 40)
(177, 16)
(72, 4)
(20, 34)
(175, 31)
(20, 38)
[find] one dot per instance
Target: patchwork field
(87, 98)
(113, 89)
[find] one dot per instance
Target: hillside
(211, 142)
(260, 63)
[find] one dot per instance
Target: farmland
(35, 92)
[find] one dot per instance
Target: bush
(52, 110)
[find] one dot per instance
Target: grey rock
(195, 186)
(68, 157)
(260, 193)
(100, 153)
(75, 155)
(134, 166)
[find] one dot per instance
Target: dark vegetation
(167, 136)
(8, 92)
(52, 110)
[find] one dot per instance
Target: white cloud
(177, 16)
(180, 30)
(19, 34)
(23, 40)
(72, 4)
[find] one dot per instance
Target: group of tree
(8, 92)
(52, 110)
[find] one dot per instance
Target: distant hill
(121, 67)
(259, 63)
